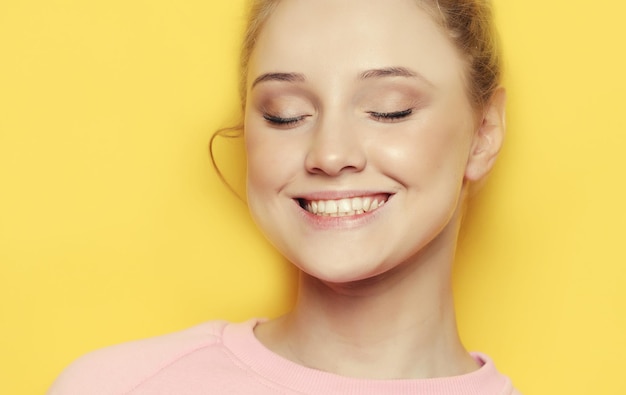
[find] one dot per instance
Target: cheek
(260, 165)
(272, 160)
(433, 149)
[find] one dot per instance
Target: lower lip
(344, 222)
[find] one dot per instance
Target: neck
(397, 325)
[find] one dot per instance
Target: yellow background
(113, 225)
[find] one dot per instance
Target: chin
(342, 274)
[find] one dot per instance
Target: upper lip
(337, 195)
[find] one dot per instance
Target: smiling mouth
(344, 207)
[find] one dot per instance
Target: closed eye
(390, 116)
(282, 121)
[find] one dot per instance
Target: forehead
(339, 38)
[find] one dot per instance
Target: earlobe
(488, 138)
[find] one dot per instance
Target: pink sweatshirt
(222, 358)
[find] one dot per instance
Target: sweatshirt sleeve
(118, 369)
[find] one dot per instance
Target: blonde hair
(469, 23)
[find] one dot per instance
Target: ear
(488, 138)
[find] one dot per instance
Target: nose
(334, 149)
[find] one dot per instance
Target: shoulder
(119, 368)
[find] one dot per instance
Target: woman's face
(358, 133)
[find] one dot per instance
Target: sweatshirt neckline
(239, 338)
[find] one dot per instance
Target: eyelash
(391, 116)
(280, 121)
(379, 116)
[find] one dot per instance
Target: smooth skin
(354, 99)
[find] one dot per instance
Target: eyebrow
(368, 74)
(286, 77)
(393, 72)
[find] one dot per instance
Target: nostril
(331, 169)
(333, 155)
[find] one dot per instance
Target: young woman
(366, 123)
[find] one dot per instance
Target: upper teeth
(343, 207)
